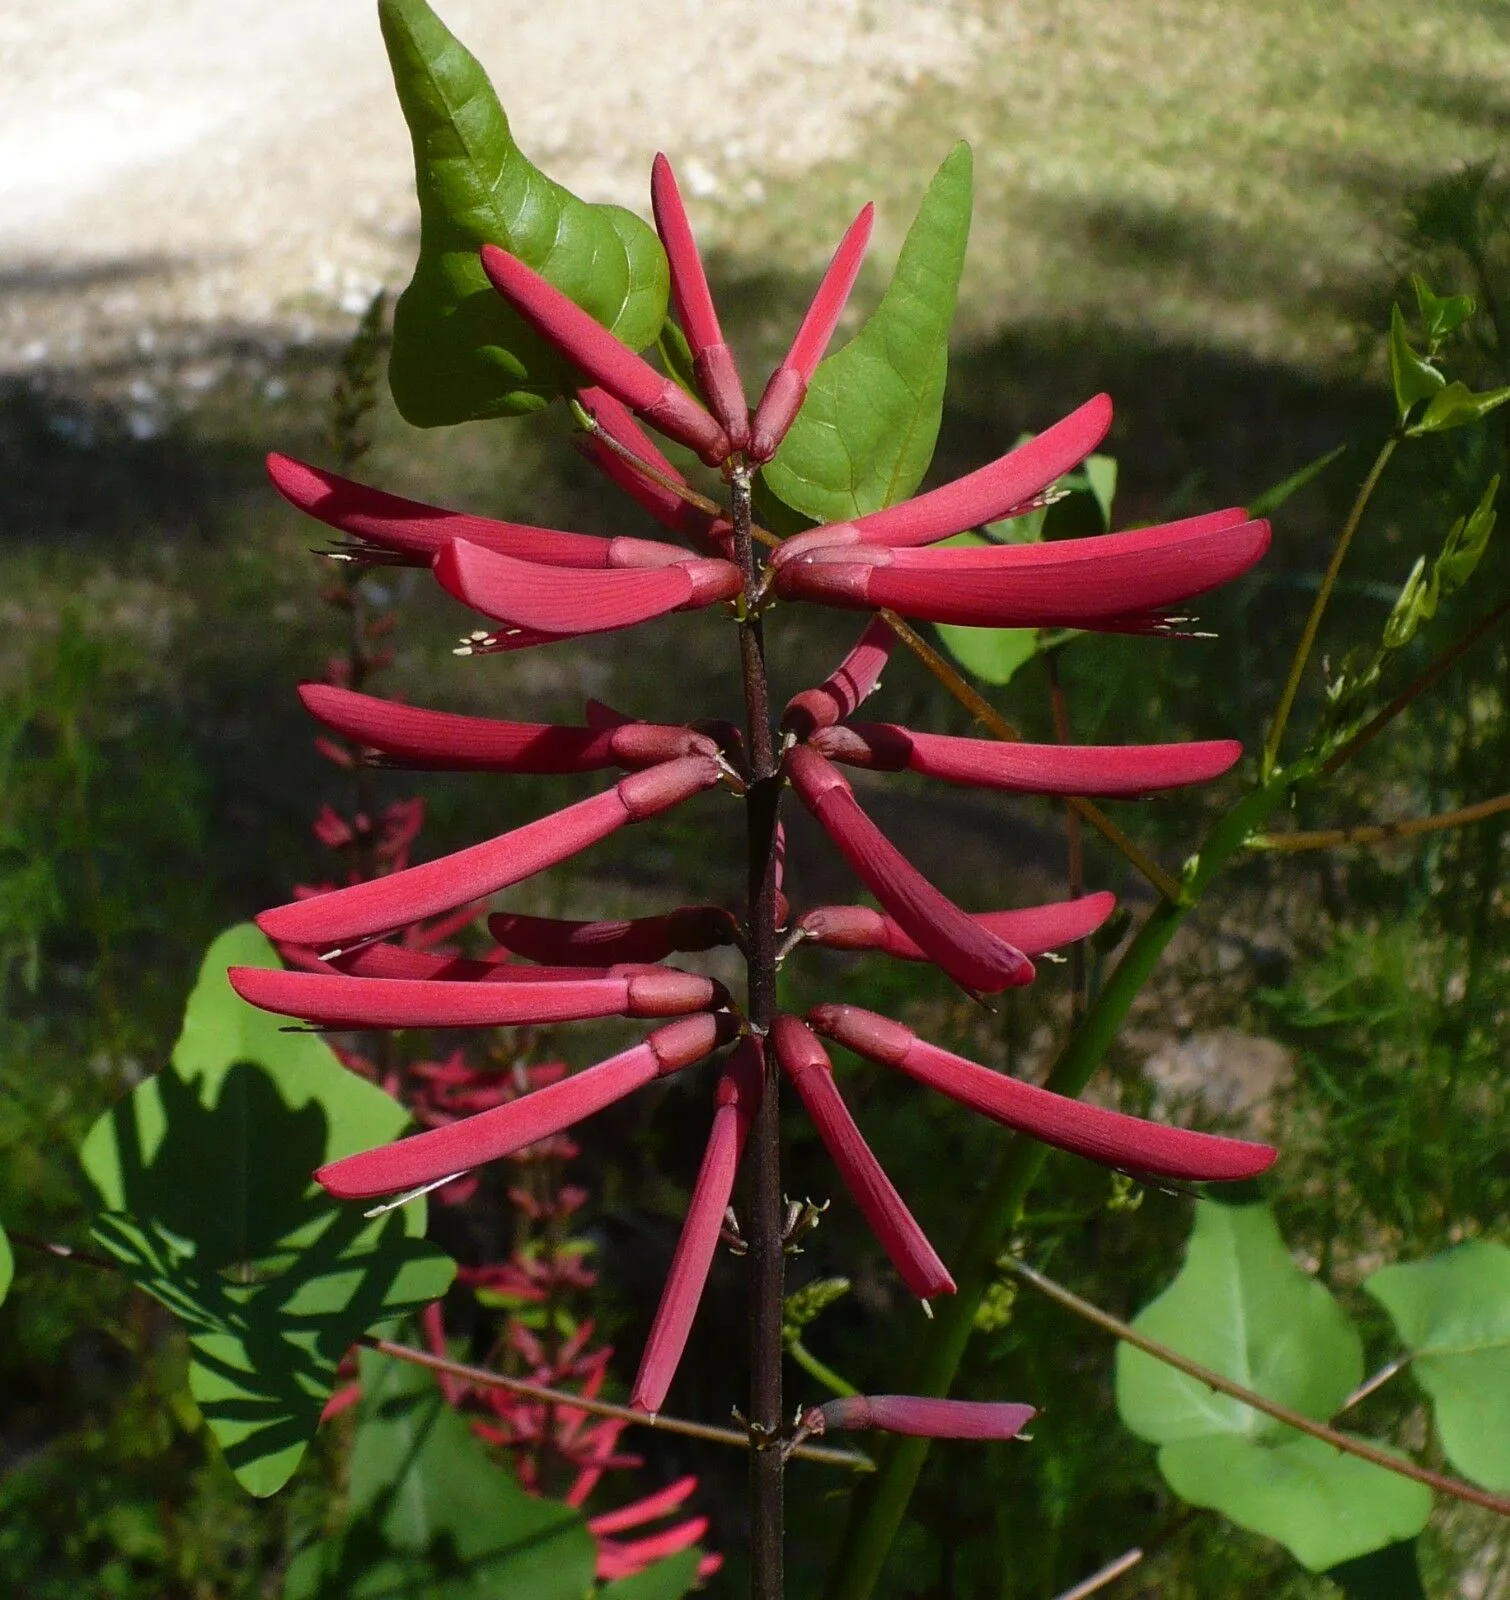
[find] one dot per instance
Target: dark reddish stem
(763, 1204)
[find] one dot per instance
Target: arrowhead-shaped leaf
(1414, 379)
(1455, 407)
(203, 1174)
(459, 352)
(429, 1515)
(866, 432)
(1241, 1306)
(1452, 1312)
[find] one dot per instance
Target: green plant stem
(877, 1509)
(486, 1378)
(1415, 688)
(1348, 1445)
(1381, 832)
(1319, 605)
(815, 1368)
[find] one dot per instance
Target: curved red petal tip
(922, 1416)
(740, 1093)
(787, 388)
(806, 1062)
(998, 489)
(1115, 581)
(841, 694)
(970, 954)
(1110, 1138)
(557, 601)
(415, 531)
(606, 360)
(1106, 771)
(458, 1146)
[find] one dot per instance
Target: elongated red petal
(1033, 930)
(458, 1146)
(607, 361)
(1115, 580)
(1107, 1137)
(787, 388)
(739, 1094)
(840, 695)
(555, 600)
(717, 375)
(1117, 771)
(806, 1062)
(637, 939)
(447, 742)
(649, 1509)
(1005, 485)
(337, 1001)
(400, 961)
(665, 505)
(922, 1416)
(417, 531)
(424, 891)
(969, 953)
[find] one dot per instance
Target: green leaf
(1455, 407)
(430, 1517)
(1440, 314)
(1241, 1306)
(459, 352)
(7, 1266)
(1267, 503)
(1392, 1573)
(666, 1580)
(865, 434)
(1452, 1312)
(1323, 1506)
(1423, 591)
(204, 1176)
(1414, 379)
(676, 358)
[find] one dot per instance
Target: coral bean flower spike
(357, 947)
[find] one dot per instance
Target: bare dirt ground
(243, 162)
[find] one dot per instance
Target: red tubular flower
(333, 1000)
(1009, 484)
(1032, 931)
(1114, 771)
(787, 388)
(1114, 581)
(689, 928)
(1108, 1137)
(739, 1095)
(562, 601)
(840, 695)
(712, 359)
(920, 1415)
(412, 533)
(665, 505)
(444, 741)
(607, 361)
(402, 897)
(806, 1063)
(972, 955)
(423, 1158)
